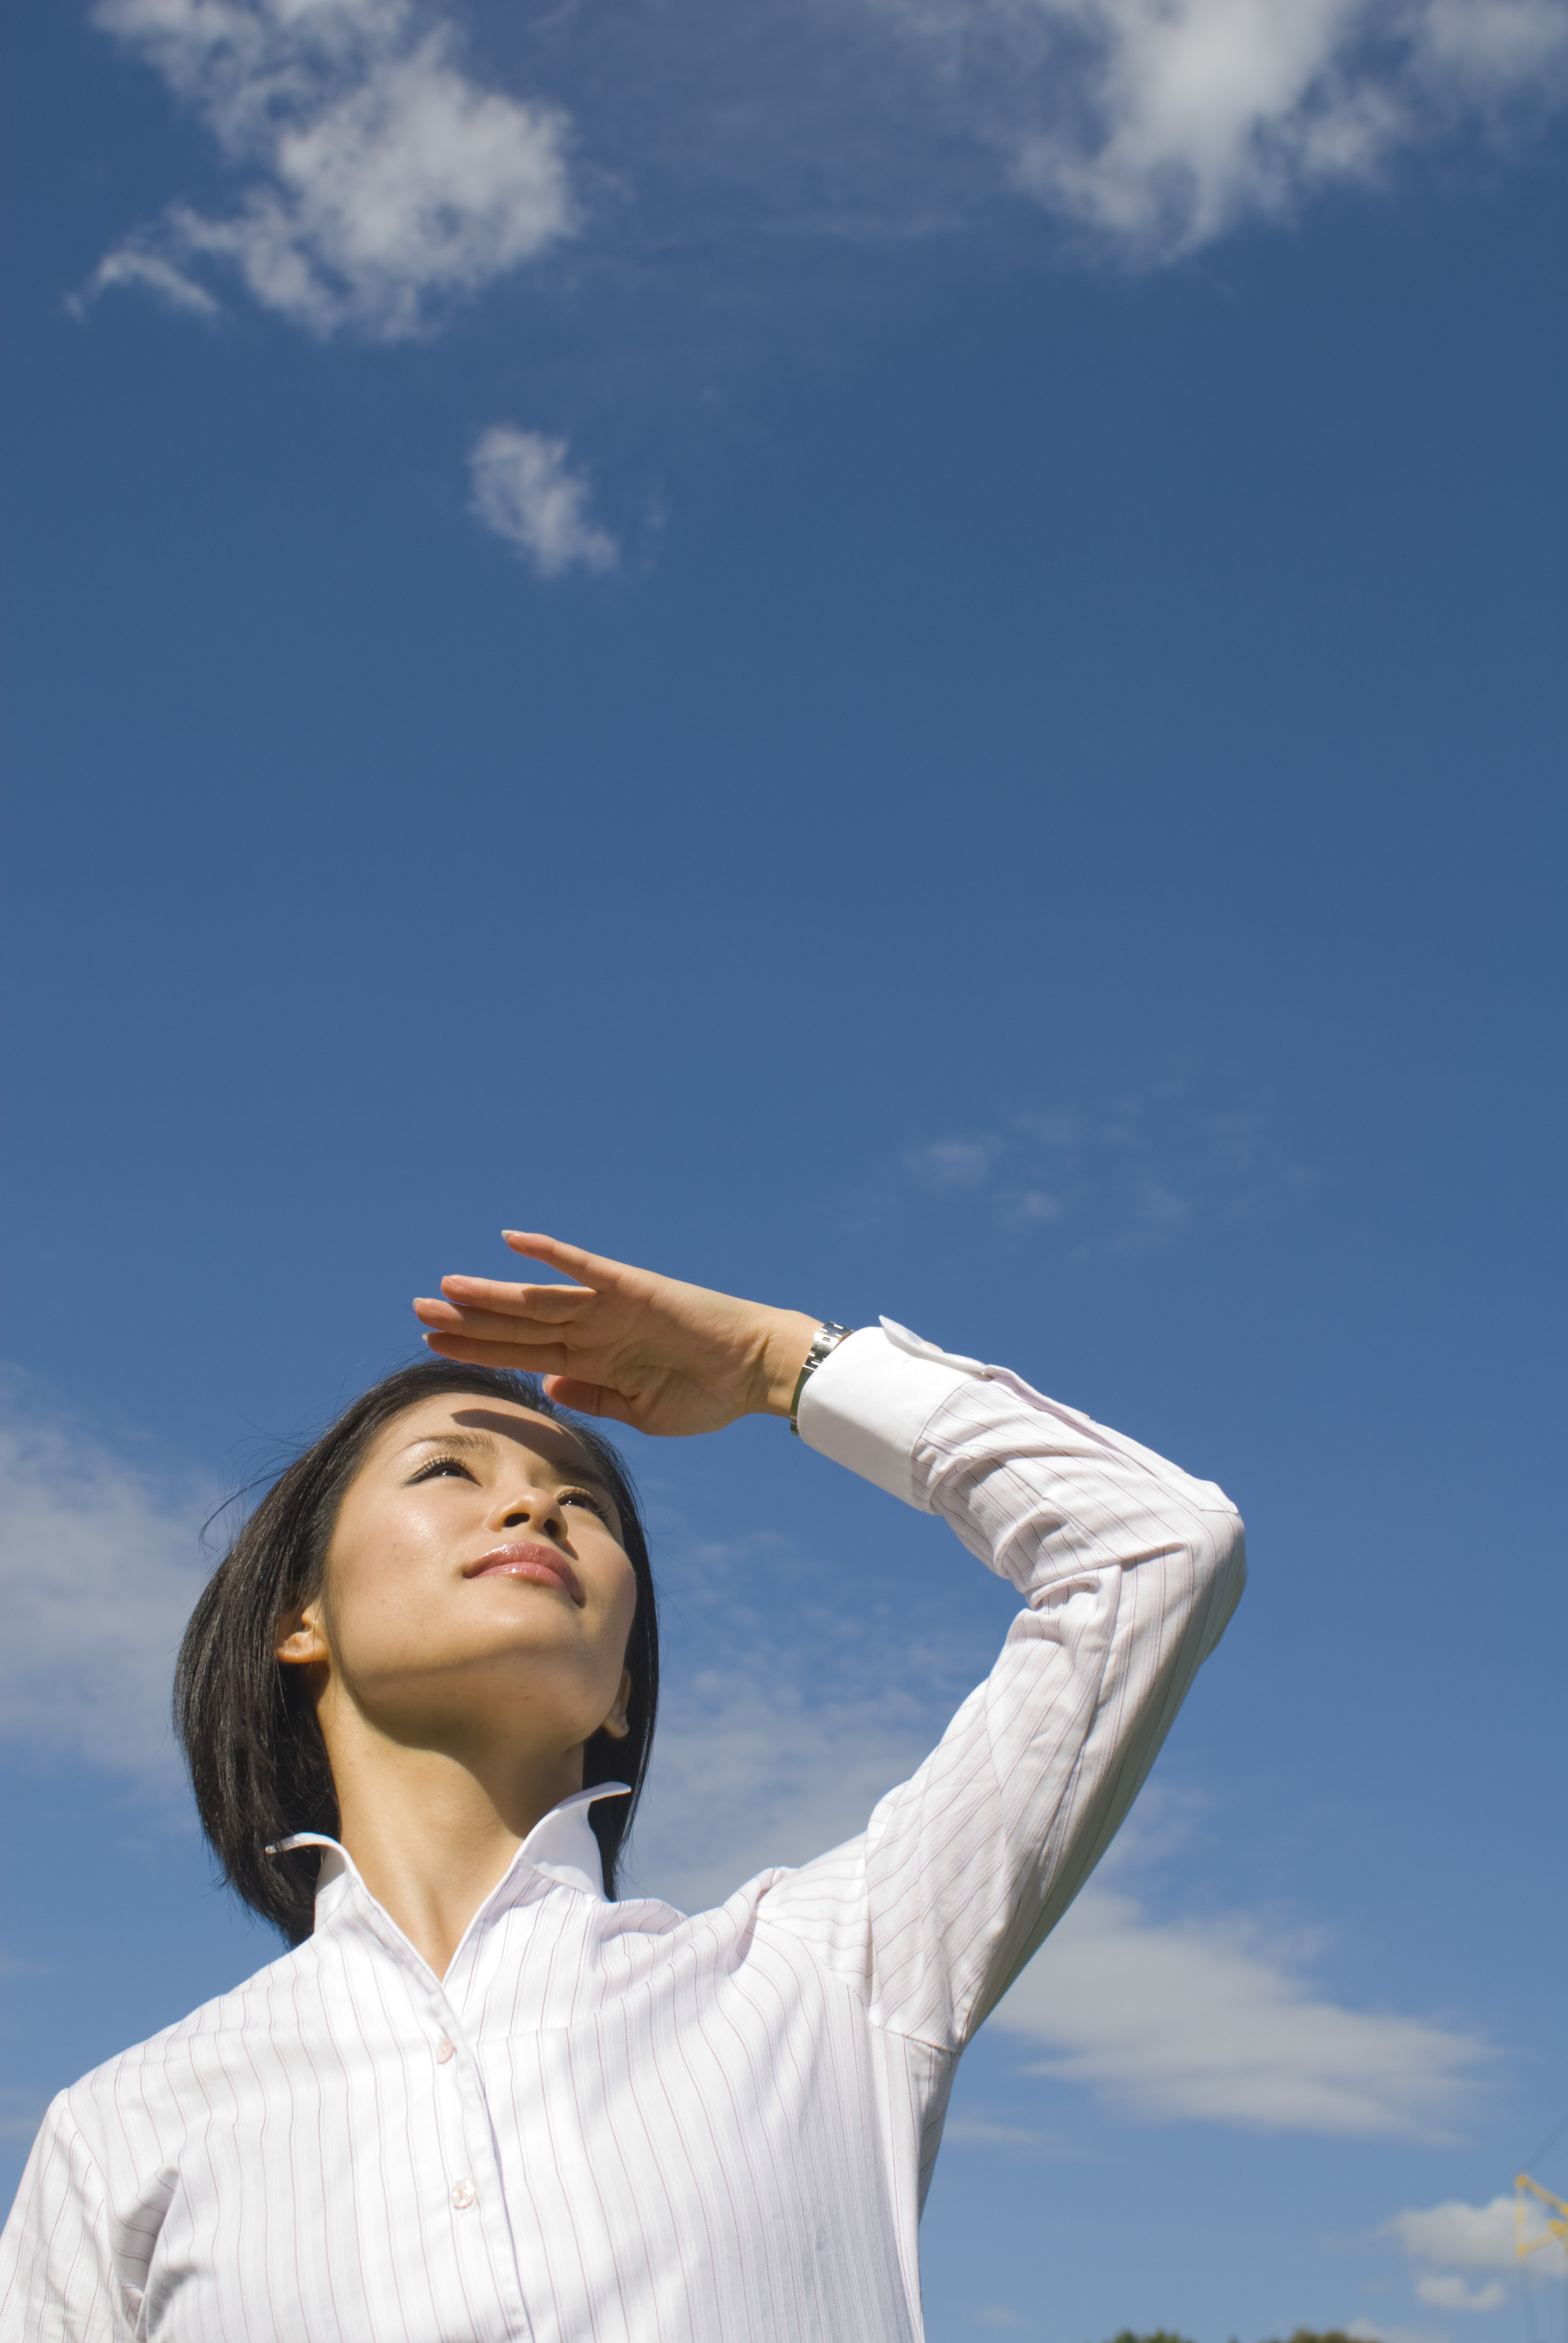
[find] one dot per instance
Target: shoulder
(820, 1905)
(649, 1933)
(129, 2101)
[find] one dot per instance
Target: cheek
(628, 1606)
(378, 1571)
(615, 1602)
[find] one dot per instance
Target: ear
(300, 1642)
(616, 1724)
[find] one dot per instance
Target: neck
(431, 1831)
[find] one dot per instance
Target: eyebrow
(485, 1442)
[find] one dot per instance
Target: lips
(540, 1564)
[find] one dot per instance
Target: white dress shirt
(611, 2121)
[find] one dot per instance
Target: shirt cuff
(868, 1404)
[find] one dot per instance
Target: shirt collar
(561, 1845)
(563, 1842)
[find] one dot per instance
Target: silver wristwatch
(828, 1337)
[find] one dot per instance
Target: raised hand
(624, 1342)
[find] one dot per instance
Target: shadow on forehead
(555, 1440)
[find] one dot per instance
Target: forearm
(1129, 1568)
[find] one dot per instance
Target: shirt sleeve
(1129, 1569)
(60, 2279)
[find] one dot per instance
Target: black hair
(246, 1720)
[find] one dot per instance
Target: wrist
(786, 1342)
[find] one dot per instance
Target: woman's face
(476, 1584)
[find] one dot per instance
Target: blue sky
(901, 658)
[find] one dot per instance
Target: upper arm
(58, 2283)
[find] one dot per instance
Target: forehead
(470, 1424)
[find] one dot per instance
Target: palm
(647, 1350)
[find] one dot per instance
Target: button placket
(454, 2111)
(466, 2145)
(459, 2143)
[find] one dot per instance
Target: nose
(529, 1508)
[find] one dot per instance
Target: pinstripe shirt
(613, 2121)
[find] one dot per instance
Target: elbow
(1220, 1558)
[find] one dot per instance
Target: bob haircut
(245, 1719)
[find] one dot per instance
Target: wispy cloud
(100, 1564)
(140, 268)
(979, 2130)
(375, 179)
(792, 1717)
(1120, 1173)
(949, 1165)
(1159, 124)
(524, 490)
(21, 2111)
(1219, 2020)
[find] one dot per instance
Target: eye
(440, 1465)
(599, 1506)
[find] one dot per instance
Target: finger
(451, 1318)
(525, 1358)
(490, 1324)
(487, 1325)
(592, 1268)
(587, 1399)
(550, 1303)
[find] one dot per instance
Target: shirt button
(443, 2052)
(463, 2195)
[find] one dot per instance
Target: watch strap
(830, 1334)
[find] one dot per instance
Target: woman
(480, 2099)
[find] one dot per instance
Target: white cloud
(1456, 2293)
(377, 178)
(523, 489)
(1215, 2019)
(1457, 2236)
(1161, 123)
(380, 179)
(100, 1562)
(1491, 44)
